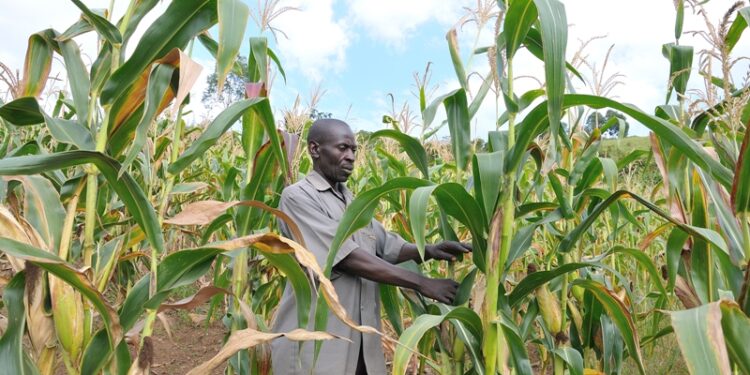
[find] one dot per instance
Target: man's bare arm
(362, 264)
(446, 250)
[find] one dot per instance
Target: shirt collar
(321, 184)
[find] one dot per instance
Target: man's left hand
(447, 250)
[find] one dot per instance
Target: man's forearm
(409, 252)
(362, 264)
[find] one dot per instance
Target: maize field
(585, 261)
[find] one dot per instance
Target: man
(316, 204)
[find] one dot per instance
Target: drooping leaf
(620, 315)
(107, 30)
(413, 148)
(738, 27)
(125, 186)
(22, 111)
(37, 65)
(680, 62)
(179, 23)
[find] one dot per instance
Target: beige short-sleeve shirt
(317, 208)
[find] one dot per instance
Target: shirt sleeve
(389, 244)
(317, 228)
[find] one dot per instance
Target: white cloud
(391, 21)
(316, 42)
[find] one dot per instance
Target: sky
(362, 55)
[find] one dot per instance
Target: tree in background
(234, 87)
(618, 128)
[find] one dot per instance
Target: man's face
(333, 157)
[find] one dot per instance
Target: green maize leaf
(456, 202)
(212, 46)
(82, 26)
(233, 15)
(488, 173)
(107, 30)
(460, 129)
(258, 63)
(680, 62)
(702, 262)
(679, 19)
(536, 121)
(263, 169)
(516, 345)
(645, 261)
(476, 102)
(158, 84)
(562, 197)
(22, 111)
(428, 114)
(101, 69)
(27, 111)
(572, 357)
(736, 327)
(539, 278)
(700, 122)
(701, 338)
(222, 123)
(702, 233)
(418, 215)
(276, 60)
(741, 184)
(78, 78)
(360, 212)
(182, 21)
(620, 316)
(554, 30)
(77, 279)
(11, 343)
(523, 102)
(37, 65)
(289, 266)
(411, 145)
(389, 297)
(412, 335)
(464, 289)
(141, 8)
(730, 228)
(125, 186)
(738, 27)
(583, 161)
(458, 66)
(215, 225)
(42, 208)
(534, 45)
(521, 15)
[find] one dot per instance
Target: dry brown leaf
(204, 212)
(248, 338)
(10, 228)
(685, 293)
(197, 299)
(275, 244)
(189, 73)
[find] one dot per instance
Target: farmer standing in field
(316, 204)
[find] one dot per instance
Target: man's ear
(313, 149)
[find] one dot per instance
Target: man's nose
(349, 155)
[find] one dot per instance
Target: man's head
(331, 145)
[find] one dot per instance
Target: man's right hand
(441, 290)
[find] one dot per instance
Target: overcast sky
(360, 51)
